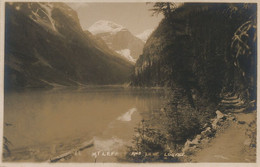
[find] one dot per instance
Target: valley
(84, 84)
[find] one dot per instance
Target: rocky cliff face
(45, 46)
(119, 39)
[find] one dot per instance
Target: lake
(41, 124)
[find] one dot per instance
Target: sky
(136, 17)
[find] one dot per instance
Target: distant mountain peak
(118, 38)
(105, 26)
(145, 35)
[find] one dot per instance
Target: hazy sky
(134, 16)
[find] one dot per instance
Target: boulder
(196, 140)
(188, 147)
(187, 144)
(205, 125)
(231, 118)
(206, 132)
(220, 115)
(215, 124)
(220, 118)
(205, 140)
(198, 137)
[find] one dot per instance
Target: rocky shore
(230, 136)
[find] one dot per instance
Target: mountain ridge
(45, 45)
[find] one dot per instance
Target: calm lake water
(45, 123)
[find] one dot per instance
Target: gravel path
(234, 143)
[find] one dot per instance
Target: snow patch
(104, 26)
(128, 115)
(145, 35)
(48, 7)
(126, 53)
(48, 22)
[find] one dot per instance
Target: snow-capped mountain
(104, 26)
(145, 35)
(118, 38)
(46, 46)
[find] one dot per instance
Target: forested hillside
(202, 51)
(208, 48)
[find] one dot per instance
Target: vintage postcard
(129, 82)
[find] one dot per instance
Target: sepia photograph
(129, 82)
